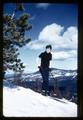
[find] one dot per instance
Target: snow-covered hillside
(22, 102)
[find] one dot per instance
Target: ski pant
(45, 75)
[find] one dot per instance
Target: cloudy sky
(54, 24)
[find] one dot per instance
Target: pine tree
(14, 29)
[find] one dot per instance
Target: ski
(57, 99)
(54, 98)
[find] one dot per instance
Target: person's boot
(43, 92)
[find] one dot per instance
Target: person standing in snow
(44, 64)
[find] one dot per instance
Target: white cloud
(35, 45)
(70, 37)
(51, 32)
(62, 55)
(64, 43)
(43, 5)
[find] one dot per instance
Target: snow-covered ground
(22, 102)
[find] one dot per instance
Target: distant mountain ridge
(53, 70)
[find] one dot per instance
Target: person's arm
(38, 61)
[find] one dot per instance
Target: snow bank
(22, 102)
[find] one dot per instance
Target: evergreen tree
(14, 29)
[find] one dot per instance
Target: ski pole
(55, 80)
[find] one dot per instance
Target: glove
(39, 67)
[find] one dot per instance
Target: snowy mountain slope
(22, 102)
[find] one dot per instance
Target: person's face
(48, 50)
